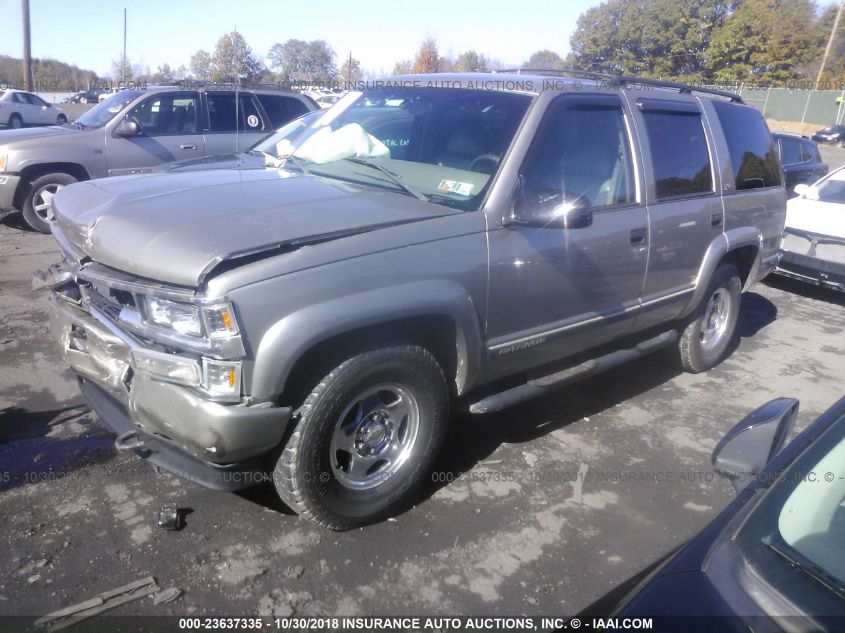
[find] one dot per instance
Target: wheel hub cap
(374, 434)
(716, 316)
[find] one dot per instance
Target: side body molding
(719, 247)
(289, 338)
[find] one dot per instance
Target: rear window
(223, 116)
(808, 151)
(753, 157)
(790, 151)
(281, 109)
(679, 153)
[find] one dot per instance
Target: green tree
(201, 66)
(315, 59)
(351, 72)
(767, 41)
(233, 60)
(544, 59)
(470, 61)
(428, 59)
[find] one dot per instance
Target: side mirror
(752, 443)
(552, 209)
(801, 189)
(128, 128)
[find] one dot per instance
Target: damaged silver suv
(433, 242)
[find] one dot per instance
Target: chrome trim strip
(595, 319)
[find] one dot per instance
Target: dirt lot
(542, 510)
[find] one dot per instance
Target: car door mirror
(128, 128)
(802, 189)
(549, 208)
(751, 444)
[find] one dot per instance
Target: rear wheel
(38, 204)
(15, 122)
(707, 338)
(61, 119)
(365, 437)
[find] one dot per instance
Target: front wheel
(38, 204)
(707, 338)
(61, 119)
(365, 437)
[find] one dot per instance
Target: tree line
(718, 41)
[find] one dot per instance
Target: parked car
(802, 163)
(814, 236)
(777, 551)
(832, 134)
(132, 132)
(20, 109)
(86, 96)
(468, 248)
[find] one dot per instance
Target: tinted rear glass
(752, 151)
(281, 109)
(679, 154)
(790, 151)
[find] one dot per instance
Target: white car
(814, 238)
(19, 108)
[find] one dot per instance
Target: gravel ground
(541, 509)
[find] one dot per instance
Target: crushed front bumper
(218, 445)
(814, 258)
(8, 186)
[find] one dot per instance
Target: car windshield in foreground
(285, 135)
(440, 144)
(104, 112)
(831, 189)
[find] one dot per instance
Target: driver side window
(167, 114)
(581, 154)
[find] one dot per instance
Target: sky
(89, 33)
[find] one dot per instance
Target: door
(22, 106)
(685, 212)
(170, 129)
(233, 126)
(567, 269)
(39, 111)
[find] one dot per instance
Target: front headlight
(221, 378)
(215, 321)
(181, 317)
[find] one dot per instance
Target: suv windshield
(104, 112)
(442, 144)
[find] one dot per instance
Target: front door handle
(638, 236)
(188, 146)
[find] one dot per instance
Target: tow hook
(128, 441)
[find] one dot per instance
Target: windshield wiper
(801, 562)
(393, 177)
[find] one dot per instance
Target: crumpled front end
(172, 419)
(813, 257)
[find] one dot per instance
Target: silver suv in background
(425, 244)
(135, 131)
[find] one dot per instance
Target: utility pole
(123, 64)
(349, 73)
(27, 47)
(829, 43)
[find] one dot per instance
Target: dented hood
(177, 227)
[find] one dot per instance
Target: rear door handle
(716, 219)
(638, 236)
(188, 146)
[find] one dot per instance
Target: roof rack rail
(559, 71)
(618, 80)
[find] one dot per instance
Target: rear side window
(790, 151)
(281, 109)
(679, 153)
(753, 157)
(224, 117)
(808, 151)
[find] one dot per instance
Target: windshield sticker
(252, 120)
(455, 186)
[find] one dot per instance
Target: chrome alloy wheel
(42, 201)
(374, 436)
(716, 318)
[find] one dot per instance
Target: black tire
(34, 212)
(311, 480)
(61, 119)
(15, 122)
(710, 333)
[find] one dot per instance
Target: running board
(544, 384)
